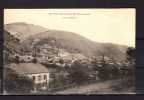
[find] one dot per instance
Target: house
(38, 73)
(63, 53)
(26, 58)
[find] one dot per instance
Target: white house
(38, 73)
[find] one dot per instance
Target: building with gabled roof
(38, 73)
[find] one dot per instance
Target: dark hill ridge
(68, 40)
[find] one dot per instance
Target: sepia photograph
(69, 51)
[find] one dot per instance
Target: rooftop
(28, 68)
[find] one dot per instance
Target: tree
(14, 83)
(129, 70)
(78, 73)
(115, 72)
(61, 61)
(22, 51)
(131, 55)
(103, 68)
(34, 60)
(17, 59)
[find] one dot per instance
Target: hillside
(23, 30)
(10, 42)
(33, 35)
(75, 43)
(11, 47)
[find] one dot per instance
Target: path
(95, 88)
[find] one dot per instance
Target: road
(95, 88)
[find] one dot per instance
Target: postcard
(69, 51)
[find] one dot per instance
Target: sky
(100, 25)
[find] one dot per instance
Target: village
(48, 69)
